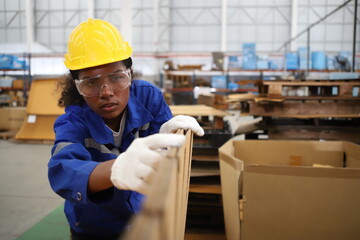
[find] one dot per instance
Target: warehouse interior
(274, 84)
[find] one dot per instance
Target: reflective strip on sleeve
(60, 146)
(145, 127)
(90, 143)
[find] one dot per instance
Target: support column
(91, 8)
(224, 25)
(294, 24)
(354, 36)
(29, 25)
(161, 25)
(156, 35)
(126, 20)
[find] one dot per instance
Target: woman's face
(109, 104)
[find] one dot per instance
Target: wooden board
(203, 112)
(164, 211)
(43, 98)
(37, 127)
(214, 189)
(42, 110)
(196, 110)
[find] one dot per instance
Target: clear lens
(115, 82)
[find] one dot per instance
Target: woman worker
(106, 147)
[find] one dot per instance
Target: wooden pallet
(313, 129)
(306, 109)
(324, 88)
(180, 80)
(7, 135)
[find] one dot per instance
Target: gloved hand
(135, 168)
(182, 122)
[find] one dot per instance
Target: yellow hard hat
(95, 42)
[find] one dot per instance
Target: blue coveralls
(82, 142)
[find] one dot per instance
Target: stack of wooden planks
(305, 105)
(310, 98)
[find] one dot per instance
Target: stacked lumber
(310, 98)
(294, 109)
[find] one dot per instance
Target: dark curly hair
(69, 93)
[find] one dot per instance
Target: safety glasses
(93, 86)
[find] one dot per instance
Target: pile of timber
(307, 109)
(306, 99)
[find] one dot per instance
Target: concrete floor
(25, 193)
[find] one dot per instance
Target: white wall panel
(255, 21)
(70, 4)
(55, 5)
(281, 34)
(247, 34)
(42, 5)
(13, 19)
(264, 34)
(200, 21)
(248, 20)
(13, 5)
(348, 14)
(232, 34)
(197, 3)
(14, 35)
(332, 45)
(335, 2)
(181, 47)
(336, 18)
(318, 33)
(42, 35)
(141, 3)
(142, 27)
(282, 15)
(335, 33)
(347, 34)
(2, 35)
(181, 34)
(188, 25)
(141, 40)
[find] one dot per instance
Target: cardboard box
(12, 118)
(274, 189)
(18, 84)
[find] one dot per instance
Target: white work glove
(135, 168)
(182, 122)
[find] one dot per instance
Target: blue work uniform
(82, 142)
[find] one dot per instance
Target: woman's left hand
(182, 122)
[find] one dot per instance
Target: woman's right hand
(135, 168)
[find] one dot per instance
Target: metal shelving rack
(25, 76)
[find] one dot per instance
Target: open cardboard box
(274, 189)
